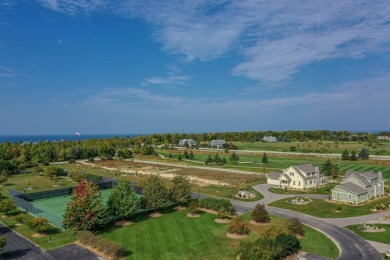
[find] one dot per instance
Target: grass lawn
(323, 209)
(322, 190)
(175, 236)
(58, 238)
(38, 183)
(382, 237)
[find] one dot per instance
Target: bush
(295, 227)
(3, 179)
(7, 206)
(107, 247)
(20, 218)
(237, 226)
(40, 225)
(215, 204)
(260, 214)
(76, 176)
(223, 214)
(91, 159)
(193, 207)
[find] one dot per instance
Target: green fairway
(382, 237)
(176, 236)
(323, 209)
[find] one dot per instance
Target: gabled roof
(352, 187)
(285, 175)
(363, 177)
(274, 175)
(305, 167)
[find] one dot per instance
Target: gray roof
(305, 167)
(363, 177)
(274, 175)
(218, 141)
(353, 188)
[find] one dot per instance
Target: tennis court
(53, 209)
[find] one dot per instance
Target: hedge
(216, 204)
(108, 248)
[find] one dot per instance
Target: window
(299, 183)
(310, 182)
(293, 182)
(291, 174)
(349, 196)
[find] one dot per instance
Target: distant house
(191, 143)
(358, 187)
(219, 144)
(383, 138)
(270, 139)
(300, 177)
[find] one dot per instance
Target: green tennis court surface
(55, 207)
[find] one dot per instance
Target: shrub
(237, 226)
(7, 206)
(215, 204)
(3, 179)
(3, 242)
(20, 218)
(76, 176)
(295, 227)
(223, 214)
(40, 225)
(107, 247)
(193, 207)
(91, 159)
(260, 214)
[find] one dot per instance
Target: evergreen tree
(181, 189)
(336, 171)
(155, 193)
(186, 155)
(345, 155)
(234, 157)
(353, 156)
(260, 214)
(363, 154)
(327, 168)
(191, 155)
(179, 157)
(123, 202)
(224, 160)
(86, 210)
(264, 159)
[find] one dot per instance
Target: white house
(269, 139)
(217, 144)
(300, 177)
(191, 143)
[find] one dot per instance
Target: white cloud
(275, 38)
(170, 80)
(7, 72)
(75, 6)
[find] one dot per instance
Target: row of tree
(363, 154)
(87, 211)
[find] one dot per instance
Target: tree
(124, 153)
(237, 226)
(186, 155)
(264, 159)
(40, 225)
(3, 179)
(52, 171)
(86, 210)
(7, 206)
(181, 189)
(234, 157)
(335, 171)
(327, 168)
(3, 242)
(295, 227)
(191, 155)
(364, 154)
(155, 193)
(353, 156)
(123, 201)
(179, 157)
(345, 155)
(260, 214)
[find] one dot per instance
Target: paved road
(19, 248)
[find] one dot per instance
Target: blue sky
(102, 66)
